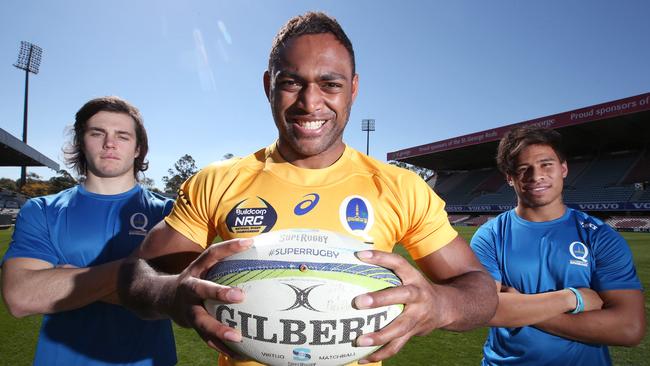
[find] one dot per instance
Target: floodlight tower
(367, 125)
(29, 59)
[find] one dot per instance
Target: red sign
(596, 112)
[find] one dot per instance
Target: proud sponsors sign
(615, 108)
(593, 206)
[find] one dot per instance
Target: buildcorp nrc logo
(252, 215)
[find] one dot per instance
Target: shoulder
(60, 199)
(233, 166)
(391, 175)
(590, 224)
(156, 198)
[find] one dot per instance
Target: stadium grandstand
(608, 153)
(14, 152)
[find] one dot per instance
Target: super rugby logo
(251, 216)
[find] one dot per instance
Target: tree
(8, 184)
(63, 181)
(35, 186)
(424, 173)
(184, 168)
(150, 184)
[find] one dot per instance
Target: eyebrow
(119, 132)
(324, 77)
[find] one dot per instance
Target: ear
(565, 169)
(267, 84)
(137, 151)
(511, 183)
(355, 86)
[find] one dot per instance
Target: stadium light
(367, 125)
(29, 59)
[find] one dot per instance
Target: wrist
(577, 301)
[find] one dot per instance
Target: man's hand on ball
(422, 309)
(192, 290)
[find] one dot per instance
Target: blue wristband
(580, 304)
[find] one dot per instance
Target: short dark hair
(309, 23)
(518, 138)
(75, 157)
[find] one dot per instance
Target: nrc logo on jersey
(580, 253)
(251, 216)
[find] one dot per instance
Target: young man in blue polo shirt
(66, 249)
(566, 281)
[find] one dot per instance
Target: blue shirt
(576, 250)
(85, 229)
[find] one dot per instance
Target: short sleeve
(31, 237)
(483, 244)
(614, 265)
(429, 228)
(191, 214)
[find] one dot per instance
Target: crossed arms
(614, 317)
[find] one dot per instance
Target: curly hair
(75, 157)
(519, 138)
(309, 23)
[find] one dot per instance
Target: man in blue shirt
(566, 281)
(67, 248)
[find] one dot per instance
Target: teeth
(311, 125)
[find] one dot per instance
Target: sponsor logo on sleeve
(251, 216)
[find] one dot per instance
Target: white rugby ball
(299, 287)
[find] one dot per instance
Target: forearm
(518, 310)
(607, 326)
(51, 290)
(143, 290)
(470, 300)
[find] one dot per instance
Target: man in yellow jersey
(309, 178)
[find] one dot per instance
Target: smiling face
(311, 91)
(110, 146)
(538, 180)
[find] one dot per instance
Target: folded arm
(33, 286)
(518, 310)
(620, 322)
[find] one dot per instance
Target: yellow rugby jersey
(358, 196)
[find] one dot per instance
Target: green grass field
(439, 348)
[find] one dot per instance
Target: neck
(542, 213)
(113, 185)
(318, 161)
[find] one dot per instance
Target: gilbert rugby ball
(299, 287)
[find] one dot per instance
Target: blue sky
(429, 70)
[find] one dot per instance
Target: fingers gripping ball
(299, 287)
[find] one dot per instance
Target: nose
(311, 99)
(109, 141)
(534, 174)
